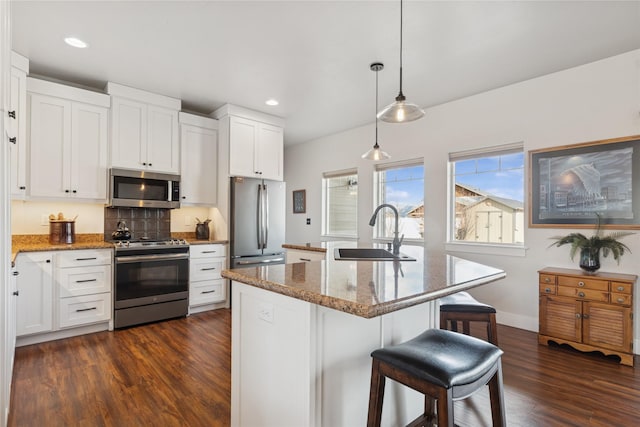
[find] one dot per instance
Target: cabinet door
(561, 317)
(163, 146)
(199, 148)
(129, 133)
(88, 152)
(35, 287)
(50, 146)
(243, 134)
(269, 152)
(18, 103)
(608, 326)
(13, 296)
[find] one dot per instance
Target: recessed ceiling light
(272, 102)
(75, 42)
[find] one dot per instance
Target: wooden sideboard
(590, 312)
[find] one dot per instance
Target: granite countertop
(369, 288)
(40, 243)
(313, 247)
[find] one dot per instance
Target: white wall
(592, 102)
(26, 217)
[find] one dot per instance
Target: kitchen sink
(368, 254)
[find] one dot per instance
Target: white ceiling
(314, 56)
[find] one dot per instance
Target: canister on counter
(62, 231)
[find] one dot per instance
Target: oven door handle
(160, 257)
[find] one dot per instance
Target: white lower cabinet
(206, 285)
(296, 255)
(84, 287)
(35, 293)
(62, 290)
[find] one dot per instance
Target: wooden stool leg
(497, 398)
(466, 327)
(445, 408)
(376, 395)
(492, 329)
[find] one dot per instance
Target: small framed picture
(299, 201)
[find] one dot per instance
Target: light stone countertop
(368, 288)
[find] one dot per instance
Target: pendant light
(376, 153)
(400, 111)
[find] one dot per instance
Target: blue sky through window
(502, 176)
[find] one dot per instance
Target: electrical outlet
(187, 220)
(265, 312)
(44, 219)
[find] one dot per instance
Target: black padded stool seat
(462, 307)
(444, 366)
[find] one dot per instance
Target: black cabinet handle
(75, 191)
(208, 292)
(86, 259)
(48, 261)
(150, 164)
(15, 273)
(144, 164)
(86, 281)
(207, 269)
(86, 309)
(12, 114)
(13, 140)
(66, 191)
(209, 252)
(305, 259)
(22, 187)
(16, 293)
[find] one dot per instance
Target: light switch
(187, 220)
(44, 219)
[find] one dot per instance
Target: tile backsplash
(143, 223)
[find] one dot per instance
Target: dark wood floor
(177, 373)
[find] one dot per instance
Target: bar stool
(442, 365)
(462, 307)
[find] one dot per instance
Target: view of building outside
(402, 187)
(341, 205)
(489, 199)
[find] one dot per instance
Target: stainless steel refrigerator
(257, 222)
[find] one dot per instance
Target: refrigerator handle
(259, 217)
(266, 217)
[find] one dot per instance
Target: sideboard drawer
(601, 285)
(548, 279)
(547, 289)
(621, 287)
(620, 299)
(586, 294)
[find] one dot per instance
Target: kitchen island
(302, 334)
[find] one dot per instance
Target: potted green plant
(590, 247)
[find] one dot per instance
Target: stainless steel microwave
(141, 189)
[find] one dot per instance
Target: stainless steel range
(151, 281)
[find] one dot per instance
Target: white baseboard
(517, 321)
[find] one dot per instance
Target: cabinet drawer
(83, 280)
(294, 256)
(620, 299)
(205, 269)
(587, 294)
(548, 279)
(625, 288)
(601, 285)
(547, 289)
(207, 251)
(83, 310)
(79, 258)
(206, 292)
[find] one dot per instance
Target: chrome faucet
(396, 241)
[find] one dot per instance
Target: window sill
(486, 249)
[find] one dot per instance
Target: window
(340, 191)
(401, 185)
(487, 193)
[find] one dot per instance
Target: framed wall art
(299, 201)
(569, 184)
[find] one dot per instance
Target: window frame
(494, 248)
(378, 195)
(326, 176)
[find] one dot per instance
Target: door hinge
(12, 114)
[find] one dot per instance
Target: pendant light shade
(376, 153)
(400, 111)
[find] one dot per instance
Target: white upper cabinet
(199, 146)
(17, 126)
(68, 142)
(255, 142)
(144, 130)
